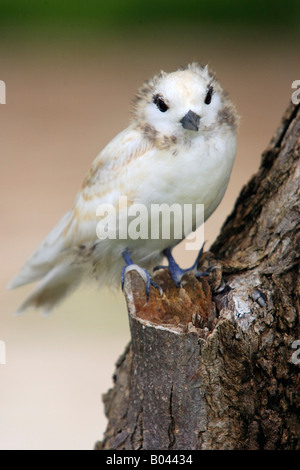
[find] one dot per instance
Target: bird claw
(201, 274)
(160, 266)
(130, 266)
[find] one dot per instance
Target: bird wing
(105, 181)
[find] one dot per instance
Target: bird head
(182, 104)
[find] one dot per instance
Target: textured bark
(211, 365)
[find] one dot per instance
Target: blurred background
(71, 69)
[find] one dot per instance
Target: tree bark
(213, 364)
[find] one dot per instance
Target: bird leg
(130, 266)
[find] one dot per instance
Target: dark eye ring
(160, 103)
(209, 95)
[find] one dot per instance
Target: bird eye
(160, 103)
(209, 95)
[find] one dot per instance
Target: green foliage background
(96, 16)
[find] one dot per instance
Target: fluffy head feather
(164, 100)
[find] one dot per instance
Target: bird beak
(190, 121)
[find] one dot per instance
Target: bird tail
(44, 258)
(51, 265)
(54, 287)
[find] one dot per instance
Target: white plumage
(179, 148)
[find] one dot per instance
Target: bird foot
(130, 266)
(177, 273)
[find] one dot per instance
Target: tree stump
(213, 364)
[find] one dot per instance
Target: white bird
(179, 148)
